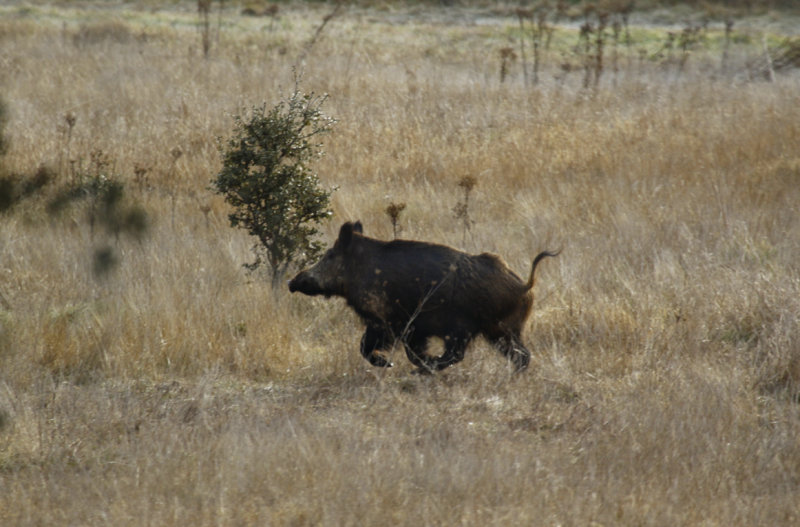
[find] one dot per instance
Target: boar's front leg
(415, 351)
(375, 338)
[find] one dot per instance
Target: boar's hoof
(378, 361)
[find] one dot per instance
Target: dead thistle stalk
(204, 10)
(393, 211)
(461, 210)
(176, 154)
(507, 56)
(522, 14)
(70, 119)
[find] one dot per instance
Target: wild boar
(410, 291)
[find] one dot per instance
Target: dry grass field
(179, 389)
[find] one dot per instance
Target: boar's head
(327, 277)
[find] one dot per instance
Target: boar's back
(406, 278)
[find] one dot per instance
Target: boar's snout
(296, 283)
(306, 284)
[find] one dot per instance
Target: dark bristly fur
(412, 291)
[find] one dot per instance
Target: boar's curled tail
(539, 257)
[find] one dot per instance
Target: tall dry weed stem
(204, 10)
(461, 210)
(665, 382)
(393, 210)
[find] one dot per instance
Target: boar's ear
(345, 235)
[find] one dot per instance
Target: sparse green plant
(106, 207)
(267, 179)
(104, 196)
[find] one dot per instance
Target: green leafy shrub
(267, 179)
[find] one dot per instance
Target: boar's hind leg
(375, 339)
(454, 348)
(514, 350)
